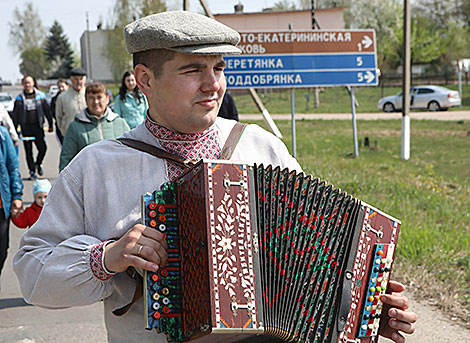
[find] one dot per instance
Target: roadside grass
(332, 100)
(430, 194)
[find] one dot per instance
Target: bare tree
(26, 29)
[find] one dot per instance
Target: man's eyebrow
(195, 65)
(192, 65)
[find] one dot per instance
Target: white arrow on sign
(369, 76)
(367, 42)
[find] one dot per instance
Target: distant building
(327, 19)
(94, 60)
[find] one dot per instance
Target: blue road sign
(349, 62)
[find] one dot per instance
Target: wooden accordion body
(259, 254)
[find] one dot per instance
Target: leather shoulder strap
(157, 152)
(232, 141)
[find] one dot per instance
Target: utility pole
(88, 48)
(405, 124)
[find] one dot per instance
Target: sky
(72, 16)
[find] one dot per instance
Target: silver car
(7, 101)
(434, 98)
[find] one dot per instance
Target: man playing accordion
(89, 232)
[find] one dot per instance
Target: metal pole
(292, 106)
(460, 65)
(89, 72)
(185, 5)
(405, 138)
(353, 111)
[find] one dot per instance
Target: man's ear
(143, 75)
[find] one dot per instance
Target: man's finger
(405, 327)
(395, 300)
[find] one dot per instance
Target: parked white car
(7, 101)
(434, 98)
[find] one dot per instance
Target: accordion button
(163, 272)
(165, 291)
(156, 306)
(166, 310)
(379, 289)
(156, 296)
(162, 227)
(380, 252)
(165, 301)
(153, 223)
(152, 214)
(370, 326)
(364, 327)
(152, 206)
(377, 261)
(162, 218)
(156, 315)
(161, 209)
(372, 289)
(155, 277)
(371, 298)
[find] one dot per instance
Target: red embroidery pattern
(96, 262)
(194, 146)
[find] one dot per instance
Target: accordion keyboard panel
(163, 296)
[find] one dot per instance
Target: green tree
(34, 62)
(58, 52)
(284, 5)
(385, 17)
(126, 11)
(26, 29)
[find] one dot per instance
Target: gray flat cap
(77, 72)
(181, 31)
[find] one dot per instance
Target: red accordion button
(162, 209)
(152, 205)
(153, 223)
(156, 315)
(152, 214)
(166, 310)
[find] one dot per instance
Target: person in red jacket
(26, 219)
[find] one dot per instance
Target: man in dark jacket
(30, 109)
(11, 190)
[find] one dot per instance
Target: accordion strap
(232, 141)
(157, 152)
(226, 154)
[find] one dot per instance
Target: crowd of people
(89, 233)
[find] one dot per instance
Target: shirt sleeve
(53, 261)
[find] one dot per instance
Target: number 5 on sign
(360, 77)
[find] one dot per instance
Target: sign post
(303, 59)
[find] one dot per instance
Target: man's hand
(16, 208)
(141, 247)
(396, 316)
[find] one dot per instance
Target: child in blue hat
(26, 219)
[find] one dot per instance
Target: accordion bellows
(260, 254)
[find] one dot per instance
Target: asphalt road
(23, 323)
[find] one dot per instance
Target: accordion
(263, 254)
